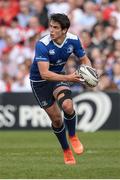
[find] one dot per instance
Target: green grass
(37, 155)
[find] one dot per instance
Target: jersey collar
(61, 45)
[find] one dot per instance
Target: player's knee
(67, 106)
(64, 97)
(57, 123)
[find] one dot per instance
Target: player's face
(56, 31)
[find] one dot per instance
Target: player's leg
(63, 95)
(64, 98)
(43, 92)
(59, 130)
(58, 125)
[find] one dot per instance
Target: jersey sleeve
(41, 53)
(78, 49)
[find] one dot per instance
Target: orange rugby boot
(68, 157)
(76, 144)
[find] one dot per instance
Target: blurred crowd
(23, 22)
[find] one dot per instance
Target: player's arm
(80, 53)
(52, 76)
(85, 60)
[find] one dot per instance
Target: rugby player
(50, 85)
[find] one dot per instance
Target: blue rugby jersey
(57, 55)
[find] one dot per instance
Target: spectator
(8, 10)
(8, 82)
(25, 14)
(107, 8)
(75, 15)
(87, 42)
(6, 66)
(15, 31)
(21, 84)
(52, 7)
(98, 61)
(23, 22)
(35, 25)
(116, 30)
(116, 74)
(106, 84)
(2, 86)
(98, 35)
(89, 19)
(116, 12)
(19, 53)
(41, 12)
(2, 37)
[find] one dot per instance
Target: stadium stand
(22, 22)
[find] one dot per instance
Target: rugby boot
(68, 157)
(76, 144)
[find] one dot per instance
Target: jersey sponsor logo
(58, 63)
(62, 84)
(52, 51)
(44, 103)
(70, 49)
(40, 58)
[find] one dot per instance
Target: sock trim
(70, 118)
(57, 132)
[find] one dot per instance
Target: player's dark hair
(62, 19)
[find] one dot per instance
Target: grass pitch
(37, 155)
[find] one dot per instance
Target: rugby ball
(89, 75)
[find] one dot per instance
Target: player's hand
(74, 78)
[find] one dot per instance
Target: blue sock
(70, 121)
(61, 135)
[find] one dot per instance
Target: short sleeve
(41, 53)
(78, 49)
